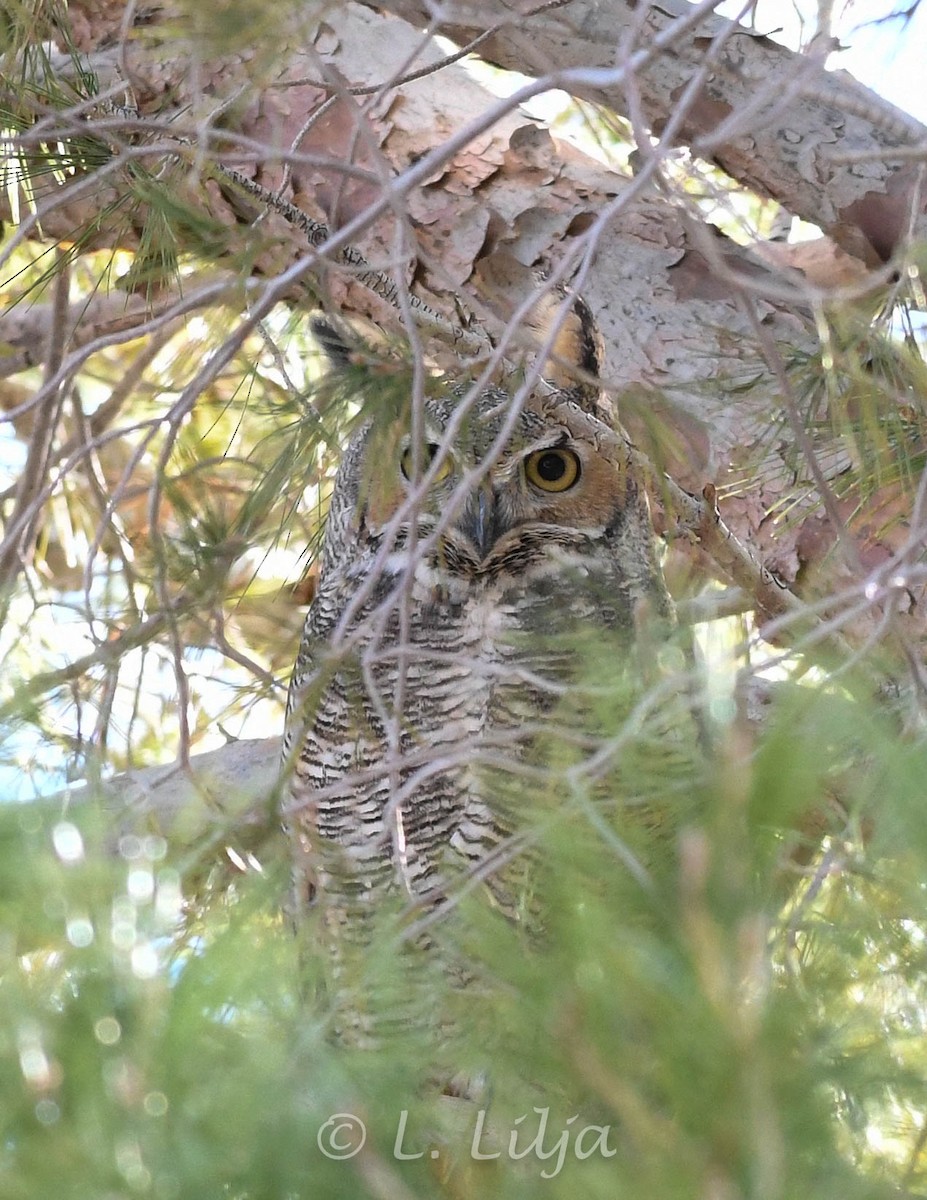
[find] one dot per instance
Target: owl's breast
(453, 667)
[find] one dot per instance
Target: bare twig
(15, 550)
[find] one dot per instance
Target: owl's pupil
(551, 467)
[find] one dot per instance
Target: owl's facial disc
(494, 509)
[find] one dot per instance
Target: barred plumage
(435, 647)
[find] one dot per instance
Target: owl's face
(481, 487)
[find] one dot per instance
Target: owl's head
(487, 480)
(483, 483)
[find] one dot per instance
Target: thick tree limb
(222, 792)
(776, 121)
(24, 330)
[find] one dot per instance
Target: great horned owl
(466, 545)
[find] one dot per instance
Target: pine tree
(731, 1007)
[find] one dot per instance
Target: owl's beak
(479, 520)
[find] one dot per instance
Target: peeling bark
(779, 123)
(461, 199)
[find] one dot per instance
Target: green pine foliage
(726, 1020)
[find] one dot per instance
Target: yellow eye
(428, 454)
(552, 470)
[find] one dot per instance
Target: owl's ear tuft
(578, 345)
(563, 322)
(333, 341)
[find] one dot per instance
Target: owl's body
(438, 646)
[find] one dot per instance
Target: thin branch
(15, 550)
(105, 654)
(379, 283)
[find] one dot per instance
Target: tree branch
(776, 121)
(219, 793)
